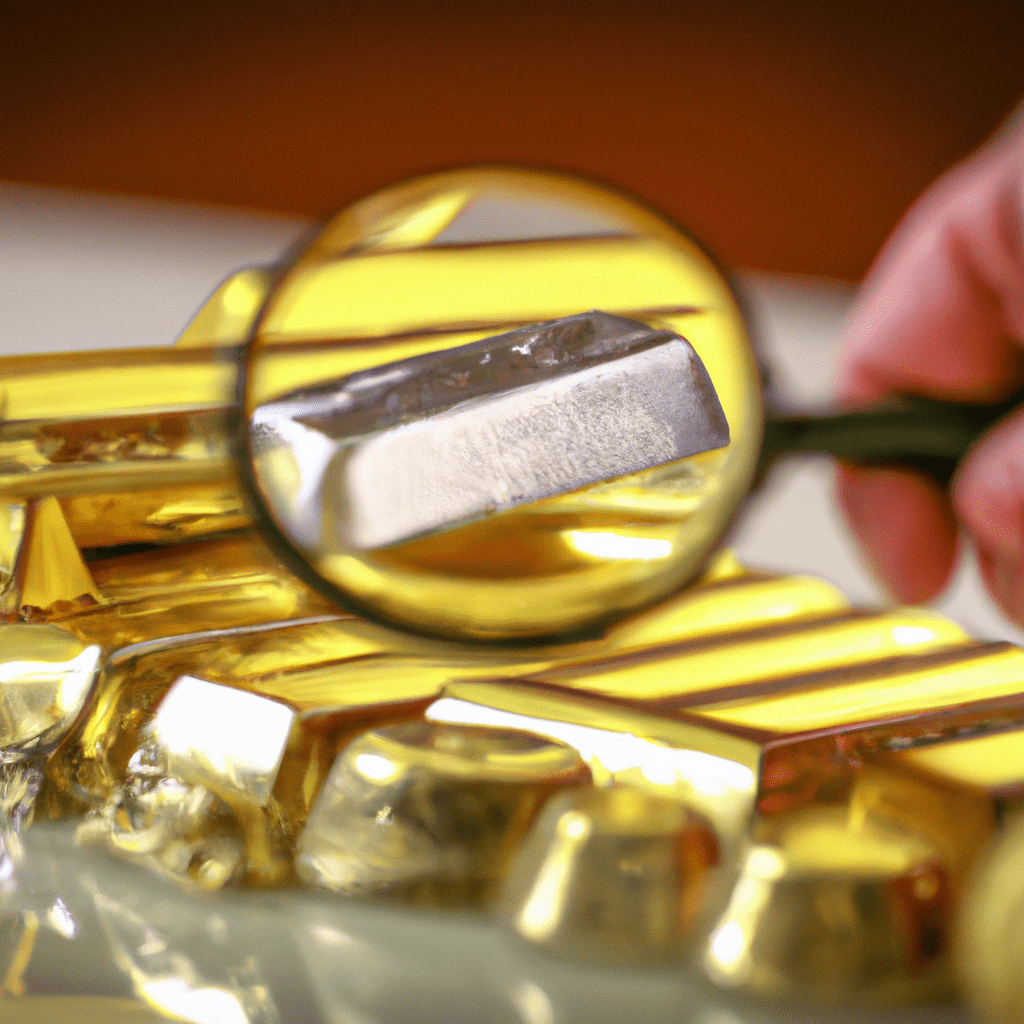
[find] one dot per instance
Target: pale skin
(942, 313)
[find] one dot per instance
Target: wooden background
(790, 136)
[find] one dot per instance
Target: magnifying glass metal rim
(288, 551)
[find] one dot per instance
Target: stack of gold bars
(749, 785)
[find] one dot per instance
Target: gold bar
(891, 691)
(216, 583)
(134, 443)
(698, 669)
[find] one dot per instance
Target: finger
(942, 311)
(988, 490)
(1005, 582)
(988, 494)
(906, 528)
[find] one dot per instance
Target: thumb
(988, 495)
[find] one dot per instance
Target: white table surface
(86, 271)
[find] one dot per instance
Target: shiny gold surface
(50, 575)
(706, 667)
(994, 761)
(134, 443)
(221, 583)
(991, 930)
(891, 690)
(560, 563)
(331, 666)
(45, 678)
(195, 800)
(35, 1009)
(637, 866)
(227, 315)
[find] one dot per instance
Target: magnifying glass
(503, 404)
(499, 404)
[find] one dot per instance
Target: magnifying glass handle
(928, 435)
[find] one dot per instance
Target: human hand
(942, 314)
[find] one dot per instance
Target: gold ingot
(430, 814)
(218, 583)
(876, 692)
(709, 770)
(615, 874)
(714, 669)
(829, 907)
(134, 443)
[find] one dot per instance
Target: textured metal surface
(428, 443)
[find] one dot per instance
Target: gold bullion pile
(752, 783)
(755, 781)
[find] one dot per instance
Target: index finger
(942, 311)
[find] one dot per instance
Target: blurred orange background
(789, 136)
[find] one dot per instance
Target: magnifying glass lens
(499, 404)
